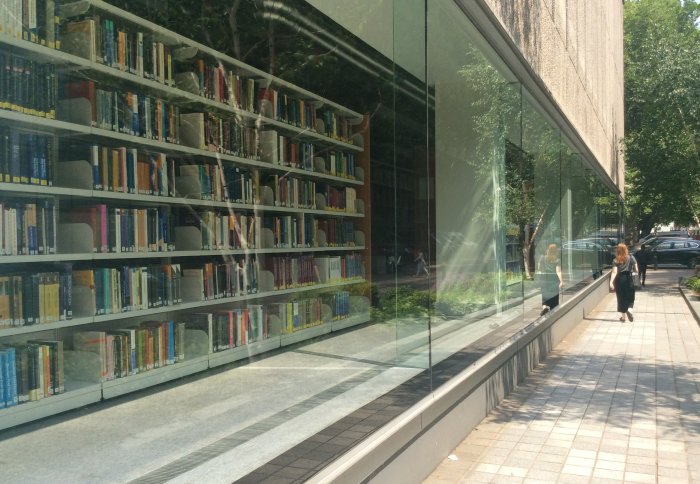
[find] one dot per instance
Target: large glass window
(235, 231)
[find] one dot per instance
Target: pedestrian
(621, 281)
(552, 280)
(643, 257)
(421, 265)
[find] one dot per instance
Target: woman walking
(552, 280)
(621, 281)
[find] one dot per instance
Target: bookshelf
(160, 221)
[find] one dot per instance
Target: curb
(694, 306)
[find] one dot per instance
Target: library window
(227, 226)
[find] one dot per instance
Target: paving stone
(612, 403)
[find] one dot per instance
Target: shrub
(693, 283)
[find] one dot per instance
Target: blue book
(43, 160)
(11, 397)
(3, 379)
(99, 277)
(33, 156)
(26, 153)
(95, 162)
(130, 175)
(171, 342)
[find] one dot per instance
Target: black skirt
(624, 290)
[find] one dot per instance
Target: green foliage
(407, 302)
(476, 293)
(662, 118)
(401, 302)
(693, 283)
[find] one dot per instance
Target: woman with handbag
(622, 281)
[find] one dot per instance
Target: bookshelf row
(112, 44)
(60, 371)
(37, 228)
(71, 294)
(253, 101)
(27, 122)
(264, 106)
(65, 193)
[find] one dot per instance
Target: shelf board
(132, 383)
(32, 191)
(354, 320)
(76, 396)
(66, 128)
(35, 328)
(243, 352)
(79, 394)
(306, 333)
(73, 62)
(24, 259)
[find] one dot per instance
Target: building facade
(269, 237)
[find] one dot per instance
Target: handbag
(636, 280)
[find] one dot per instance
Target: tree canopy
(662, 112)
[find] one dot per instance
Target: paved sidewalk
(615, 402)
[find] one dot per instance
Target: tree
(662, 92)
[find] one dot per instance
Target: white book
(139, 54)
(161, 62)
(13, 231)
(192, 130)
(350, 197)
(31, 18)
(322, 272)
(144, 289)
(117, 231)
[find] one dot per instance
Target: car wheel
(692, 263)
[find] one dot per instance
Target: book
(53, 359)
(93, 342)
(201, 322)
(80, 38)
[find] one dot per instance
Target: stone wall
(576, 48)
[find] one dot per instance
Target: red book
(266, 102)
(85, 89)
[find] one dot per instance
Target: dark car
(677, 251)
(654, 241)
(606, 242)
(682, 234)
(587, 253)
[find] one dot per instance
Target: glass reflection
(541, 143)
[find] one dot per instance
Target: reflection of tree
(540, 182)
(521, 206)
(528, 183)
(494, 103)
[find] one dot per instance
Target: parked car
(654, 241)
(677, 251)
(587, 253)
(608, 242)
(683, 234)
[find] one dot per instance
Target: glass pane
(476, 118)
(542, 143)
